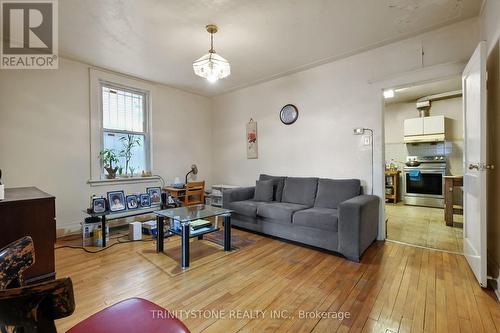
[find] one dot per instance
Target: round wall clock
(289, 114)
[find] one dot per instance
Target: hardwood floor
(423, 226)
(396, 288)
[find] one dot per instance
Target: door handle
(481, 166)
(473, 166)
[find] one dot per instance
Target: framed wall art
(252, 141)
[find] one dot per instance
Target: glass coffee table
(180, 220)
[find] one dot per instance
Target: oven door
(430, 183)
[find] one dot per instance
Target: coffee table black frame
(185, 230)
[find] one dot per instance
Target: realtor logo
(29, 35)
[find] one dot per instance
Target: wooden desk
(179, 193)
(27, 211)
(450, 182)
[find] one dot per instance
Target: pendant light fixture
(212, 66)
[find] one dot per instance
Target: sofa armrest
(358, 225)
(237, 194)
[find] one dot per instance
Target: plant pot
(111, 172)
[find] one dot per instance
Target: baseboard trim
(67, 229)
(494, 276)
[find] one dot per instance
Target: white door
(474, 99)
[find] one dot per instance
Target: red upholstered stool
(133, 315)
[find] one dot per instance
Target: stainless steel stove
(423, 184)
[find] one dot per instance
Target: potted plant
(120, 172)
(108, 157)
(129, 142)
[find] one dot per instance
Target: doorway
(424, 140)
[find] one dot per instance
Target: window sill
(116, 181)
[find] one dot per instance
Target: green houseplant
(108, 157)
(129, 142)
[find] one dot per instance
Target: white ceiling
(158, 39)
(412, 93)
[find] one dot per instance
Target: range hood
(427, 128)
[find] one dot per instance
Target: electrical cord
(118, 241)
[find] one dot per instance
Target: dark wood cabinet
(27, 211)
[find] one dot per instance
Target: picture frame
(98, 205)
(133, 202)
(155, 195)
(145, 200)
(116, 201)
(252, 140)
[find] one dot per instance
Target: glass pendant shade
(212, 67)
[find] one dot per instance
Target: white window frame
(98, 79)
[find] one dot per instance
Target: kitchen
(424, 164)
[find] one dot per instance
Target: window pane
(118, 141)
(122, 110)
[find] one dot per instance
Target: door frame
(416, 77)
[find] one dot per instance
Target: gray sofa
(326, 213)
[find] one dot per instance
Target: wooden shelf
(392, 182)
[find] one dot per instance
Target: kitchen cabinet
(414, 126)
(426, 129)
(433, 125)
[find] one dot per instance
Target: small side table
(450, 183)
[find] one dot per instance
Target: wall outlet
(367, 140)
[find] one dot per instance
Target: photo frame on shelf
(98, 205)
(154, 195)
(145, 200)
(116, 201)
(133, 202)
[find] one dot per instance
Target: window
(125, 127)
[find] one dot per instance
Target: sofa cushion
(279, 182)
(279, 210)
(319, 218)
(264, 190)
(331, 192)
(300, 190)
(246, 207)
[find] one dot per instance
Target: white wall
(332, 99)
(490, 23)
(44, 136)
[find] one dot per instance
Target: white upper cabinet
(426, 129)
(414, 126)
(434, 125)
